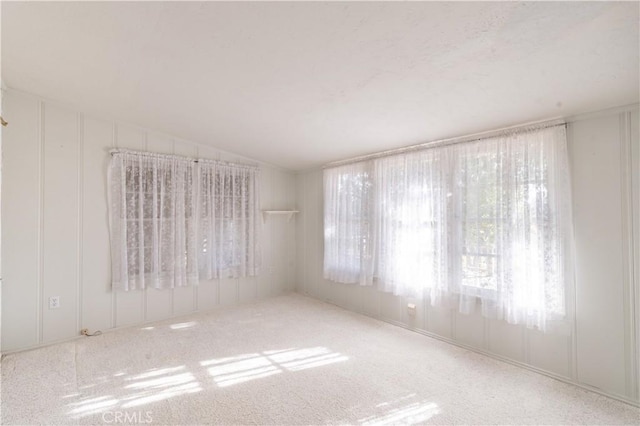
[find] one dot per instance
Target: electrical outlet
(412, 309)
(54, 302)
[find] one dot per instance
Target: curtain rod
(181, 157)
(451, 141)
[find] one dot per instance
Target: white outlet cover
(54, 302)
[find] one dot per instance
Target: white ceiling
(301, 84)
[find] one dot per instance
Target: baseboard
(144, 323)
(564, 379)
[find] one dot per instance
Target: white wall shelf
(289, 214)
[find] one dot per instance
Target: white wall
(602, 352)
(55, 243)
(55, 229)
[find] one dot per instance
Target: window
(483, 220)
(348, 227)
(153, 228)
(409, 223)
(228, 227)
(480, 216)
(161, 236)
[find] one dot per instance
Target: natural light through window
(406, 410)
(182, 325)
(243, 368)
(162, 383)
(92, 405)
(486, 220)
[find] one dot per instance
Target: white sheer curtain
(483, 220)
(348, 250)
(152, 221)
(512, 202)
(229, 225)
(174, 220)
(411, 223)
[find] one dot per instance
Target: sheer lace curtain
(348, 256)
(485, 220)
(411, 200)
(174, 221)
(229, 226)
(152, 221)
(513, 204)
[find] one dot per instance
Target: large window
(347, 225)
(174, 220)
(484, 220)
(228, 228)
(153, 232)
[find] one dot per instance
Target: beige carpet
(286, 360)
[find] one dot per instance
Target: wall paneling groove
(56, 235)
(601, 350)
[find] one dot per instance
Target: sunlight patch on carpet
(183, 325)
(413, 413)
(245, 367)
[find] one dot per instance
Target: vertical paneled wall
(55, 228)
(55, 243)
(602, 351)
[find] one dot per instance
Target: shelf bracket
(289, 214)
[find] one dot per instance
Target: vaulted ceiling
(301, 84)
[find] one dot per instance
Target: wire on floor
(85, 332)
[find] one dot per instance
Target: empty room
(312, 213)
